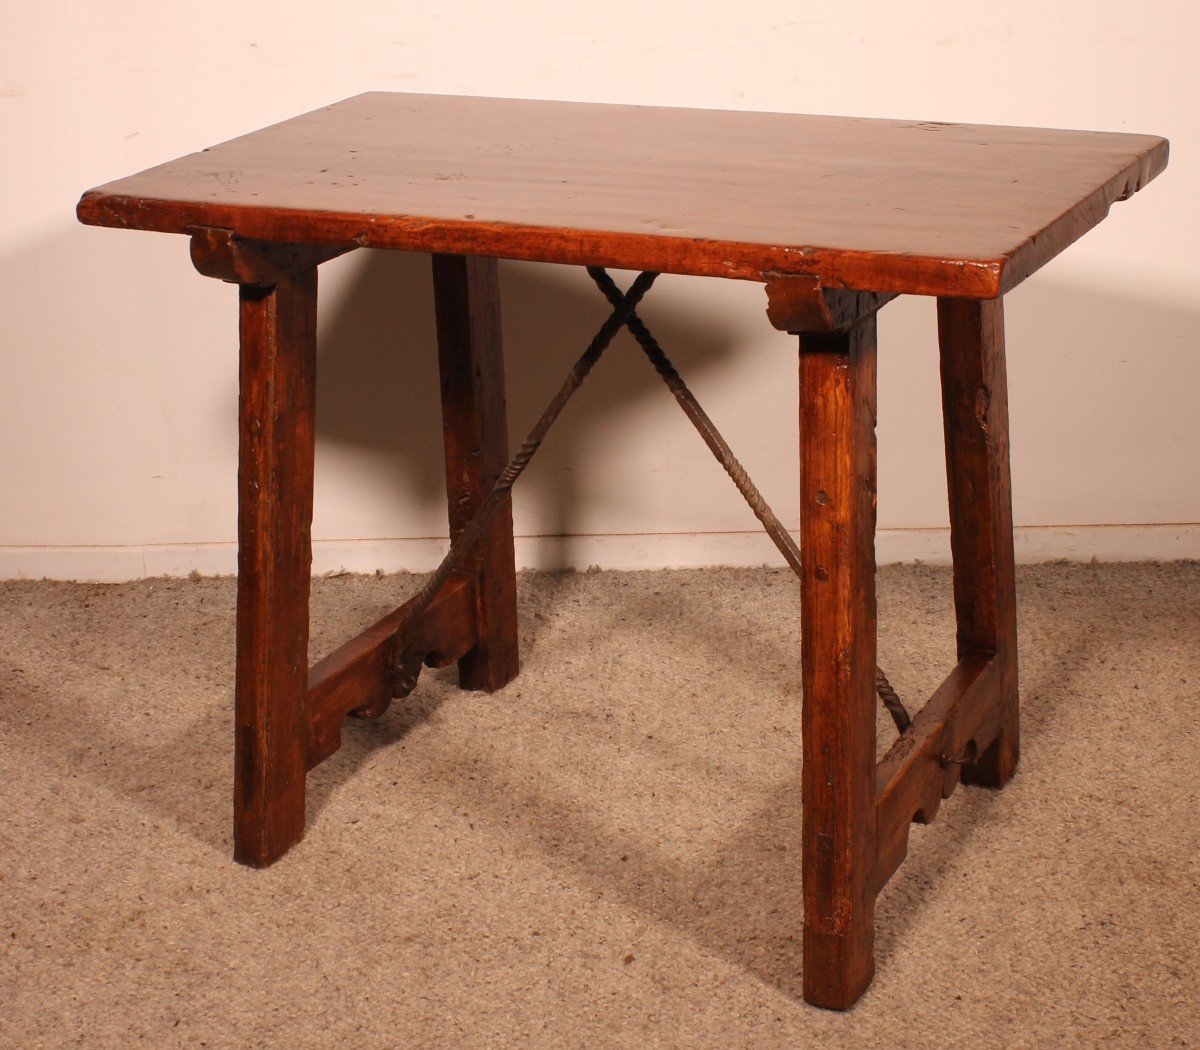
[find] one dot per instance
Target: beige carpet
(606, 852)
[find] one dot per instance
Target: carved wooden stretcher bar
(834, 216)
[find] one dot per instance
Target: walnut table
(835, 216)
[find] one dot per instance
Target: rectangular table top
(877, 205)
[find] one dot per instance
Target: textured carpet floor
(606, 852)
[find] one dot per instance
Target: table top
(877, 205)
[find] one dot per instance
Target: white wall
(117, 396)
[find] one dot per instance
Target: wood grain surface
(975, 415)
(275, 504)
(877, 205)
(838, 649)
(475, 437)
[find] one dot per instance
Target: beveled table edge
(835, 268)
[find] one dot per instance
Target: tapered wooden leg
(837, 530)
(975, 411)
(275, 479)
(475, 429)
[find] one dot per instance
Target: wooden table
(835, 216)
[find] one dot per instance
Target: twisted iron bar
(707, 430)
(891, 700)
(470, 535)
(624, 314)
(724, 455)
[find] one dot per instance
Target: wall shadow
(1102, 404)
(96, 377)
(378, 386)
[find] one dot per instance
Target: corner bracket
(240, 260)
(798, 303)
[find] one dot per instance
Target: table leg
(975, 412)
(837, 527)
(275, 485)
(475, 431)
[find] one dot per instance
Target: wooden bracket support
(227, 257)
(961, 720)
(360, 678)
(799, 304)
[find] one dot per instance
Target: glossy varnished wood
(837, 536)
(885, 206)
(275, 486)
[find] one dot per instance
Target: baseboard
(1036, 543)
